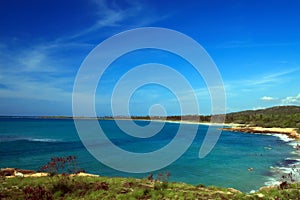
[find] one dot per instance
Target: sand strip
(290, 132)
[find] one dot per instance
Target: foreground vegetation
(69, 185)
(75, 187)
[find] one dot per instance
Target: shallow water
(30, 143)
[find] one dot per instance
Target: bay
(29, 143)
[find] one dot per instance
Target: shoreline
(290, 132)
(245, 128)
(287, 132)
(74, 187)
(24, 173)
(187, 122)
(289, 135)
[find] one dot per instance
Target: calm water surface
(30, 143)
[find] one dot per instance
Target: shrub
(64, 165)
(63, 185)
(37, 193)
(101, 186)
(163, 179)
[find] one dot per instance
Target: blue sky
(255, 45)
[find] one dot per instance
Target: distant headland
(278, 119)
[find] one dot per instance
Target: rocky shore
(13, 172)
(290, 132)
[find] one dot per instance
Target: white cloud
(266, 98)
(291, 99)
(258, 108)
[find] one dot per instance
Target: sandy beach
(290, 132)
(189, 122)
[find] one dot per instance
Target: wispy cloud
(253, 90)
(31, 73)
(35, 60)
(281, 73)
(273, 78)
(27, 87)
(110, 14)
(46, 69)
(261, 81)
(105, 17)
(251, 44)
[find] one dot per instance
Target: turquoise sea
(29, 143)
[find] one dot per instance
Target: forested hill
(279, 116)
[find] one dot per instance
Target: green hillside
(67, 187)
(279, 116)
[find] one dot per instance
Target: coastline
(74, 187)
(288, 135)
(290, 132)
(22, 186)
(216, 126)
(14, 172)
(187, 122)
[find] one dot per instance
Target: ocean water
(30, 143)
